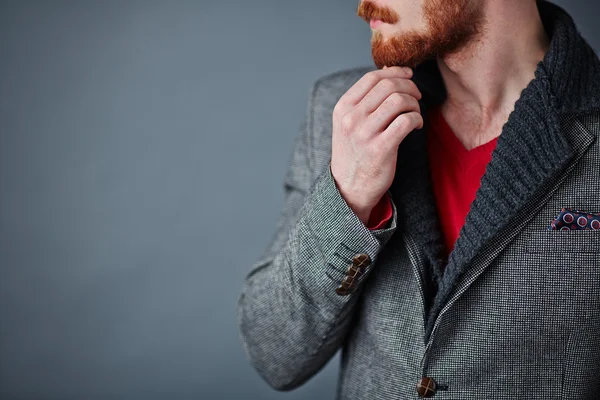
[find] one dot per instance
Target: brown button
(426, 387)
(348, 285)
(361, 260)
(353, 271)
(342, 291)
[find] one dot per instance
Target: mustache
(368, 10)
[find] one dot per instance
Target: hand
(369, 122)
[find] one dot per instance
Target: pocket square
(571, 219)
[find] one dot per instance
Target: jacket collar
(531, 152)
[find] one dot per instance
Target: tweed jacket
(513, 313)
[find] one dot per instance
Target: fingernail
(407, 69)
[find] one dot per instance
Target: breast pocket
(571, 241)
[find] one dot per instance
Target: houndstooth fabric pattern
(536, 335)
(521, 320)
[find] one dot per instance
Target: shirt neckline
(445, 134)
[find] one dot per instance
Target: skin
(487, 52)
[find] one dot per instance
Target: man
(441, 223)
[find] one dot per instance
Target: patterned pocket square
(571, 219)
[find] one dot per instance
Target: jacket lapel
(479, 244)
(539, 145)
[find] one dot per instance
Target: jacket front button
(426, 387)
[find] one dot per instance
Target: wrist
(362, 210)
(364, 215)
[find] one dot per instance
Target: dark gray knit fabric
(515, 313)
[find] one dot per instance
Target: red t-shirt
(456, 175)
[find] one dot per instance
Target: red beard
(452, 24)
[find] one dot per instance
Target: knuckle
(415, 88)
(372, 78)
(411, 86)
(386, 84)
(414, 119)
(417, 105)
(404, 121)
(348, 122)
(420, 121)
(338, 108)
(396, 99)
(411, 103)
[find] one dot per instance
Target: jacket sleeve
(291, 319)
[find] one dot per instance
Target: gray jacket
(514, 312)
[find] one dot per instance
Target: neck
(485, 78)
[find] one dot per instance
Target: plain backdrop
(143, 146)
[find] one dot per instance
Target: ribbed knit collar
(531, 150)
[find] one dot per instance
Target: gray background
(143, 146)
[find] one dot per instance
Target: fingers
(383, 90)
(401, 126)
(394, 105)
(356, 93)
